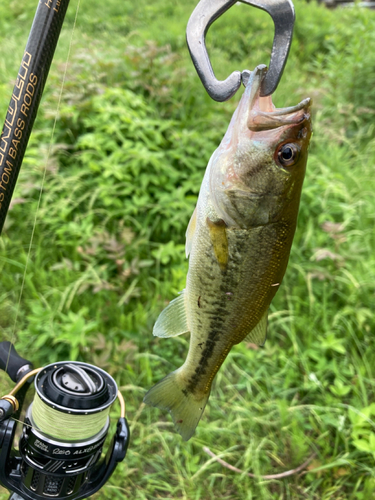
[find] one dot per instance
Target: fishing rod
(27, 92)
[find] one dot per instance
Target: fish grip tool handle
(26, 95)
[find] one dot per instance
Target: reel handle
(12, 363)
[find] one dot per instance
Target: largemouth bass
(239, 240)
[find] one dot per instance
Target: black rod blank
(26, 95)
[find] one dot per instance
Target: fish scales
(225, 314)
(239, 240)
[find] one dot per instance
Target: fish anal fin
(185, 408)
(258, 334)
(172, 320)
(218, 235)
(190, 233)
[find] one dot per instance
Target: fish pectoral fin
(258, 334)
(172, 320)
(190, 233)
(185, 408)
(219, 240)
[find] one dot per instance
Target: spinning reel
(60, 449)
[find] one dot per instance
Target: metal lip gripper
(206, 12)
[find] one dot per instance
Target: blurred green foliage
(134, 132)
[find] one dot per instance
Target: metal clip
(206, 12)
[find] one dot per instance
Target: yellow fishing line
(65, 426)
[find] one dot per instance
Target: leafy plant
(134, 134)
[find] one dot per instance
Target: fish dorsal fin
(258, 334)
(190, 232)
(172, 320)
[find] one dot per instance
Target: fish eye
(287, 154)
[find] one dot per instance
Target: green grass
(133, 137)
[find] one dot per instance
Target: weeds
(134, 134)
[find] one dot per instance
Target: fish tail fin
(185, 408)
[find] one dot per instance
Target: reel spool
(63, 434)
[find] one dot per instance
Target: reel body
(57, 469)
(60, 456)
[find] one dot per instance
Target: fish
(238, 242)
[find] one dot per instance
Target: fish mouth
(262, 114)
